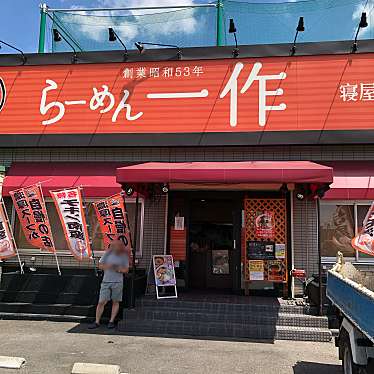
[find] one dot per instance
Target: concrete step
(279, 319)
(224, 307)
(44, 317)
(50, 309)
(224, 330)
(40, 297)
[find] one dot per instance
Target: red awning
(226, 172)
(353, 180)
(97, 178)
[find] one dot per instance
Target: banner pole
(57, 263)
(11, 235)
(53, 240)
(89, 238)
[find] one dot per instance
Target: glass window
(92, 223)
(337, 229)
(340, 222)
(361, 214)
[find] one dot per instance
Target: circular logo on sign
(2, 94)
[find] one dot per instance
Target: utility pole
(220, 26)
(42, 28)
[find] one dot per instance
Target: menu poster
(276, 270)
(260, 250)
(179, 223)
(163, 268)
(256, 270)
(264, 225)
(280, 250)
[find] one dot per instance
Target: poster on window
(32, 213)
(260, 250)
(280, 250)
(69, 205)
(256, 270)
(163, 268)
(7, 245)
(264, 225)
(337, 230)
(276, 270)
(220, 261)
(112, 216)
(364, 241)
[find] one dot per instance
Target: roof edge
(188, 54)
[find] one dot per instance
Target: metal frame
(207, 5)
(44, 11)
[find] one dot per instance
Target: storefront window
(337, 229)
(93, 228)
(361, 214)
(340, 222)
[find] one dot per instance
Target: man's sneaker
(111, 325)
(94, 326)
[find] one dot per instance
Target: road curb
(87, 368)
(9, 362)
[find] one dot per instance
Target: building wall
(305, 235)
(180, 154)
(154, 229)
(304, 217)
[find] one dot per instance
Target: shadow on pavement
(305, 367)
(82, 328)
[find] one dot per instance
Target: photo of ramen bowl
(275, 269)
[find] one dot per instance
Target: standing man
(115, 263)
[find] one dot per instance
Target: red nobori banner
(69, 205)
(32, 213)
(297, 93)
(112, 216)
(7, 245)
(364, 241)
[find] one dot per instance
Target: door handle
(234, 244)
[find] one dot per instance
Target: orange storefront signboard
(280, 94)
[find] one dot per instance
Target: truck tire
(348, 366)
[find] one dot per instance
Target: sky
(19, 21)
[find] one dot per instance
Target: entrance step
(51, 309)
(242, 318)
(40, 297)
(228, 306)
(224, 330)
(44, 317)
(267, 318)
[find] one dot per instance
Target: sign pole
(42, 28)
(90, 239)
(319, 258)
(11, 234)
(219, 37)
(53, 240)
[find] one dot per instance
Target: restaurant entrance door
(213, 247)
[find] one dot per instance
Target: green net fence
(256, 23)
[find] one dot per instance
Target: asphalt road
(53, 347)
